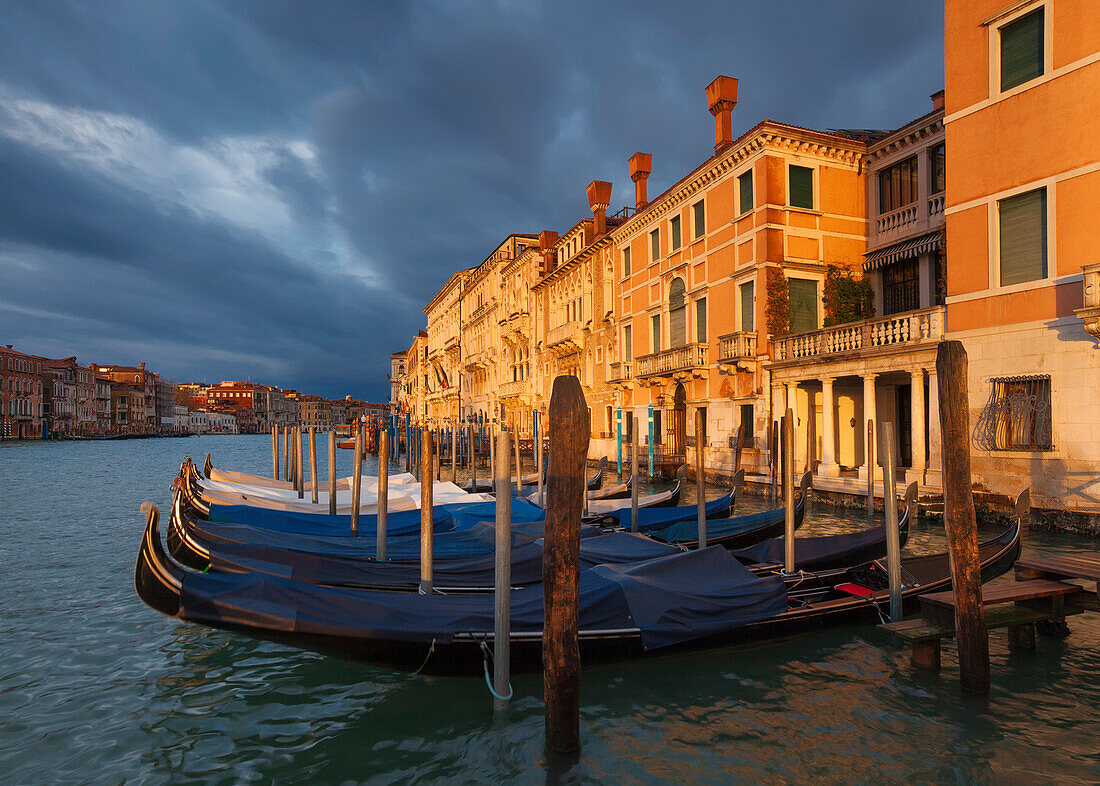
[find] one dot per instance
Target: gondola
(617, 513)
(618, 491)
(691, 600)
(485, 485)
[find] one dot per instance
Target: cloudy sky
(272, 189)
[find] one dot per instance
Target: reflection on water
(96, 687)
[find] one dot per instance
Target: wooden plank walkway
(1065, 566)
(1016, 607)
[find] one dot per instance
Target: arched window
(677, 314)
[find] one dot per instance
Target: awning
(916, 246)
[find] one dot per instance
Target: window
(897, 186)
(744, 186)
(677, 314)
(746, 420)
(1023, 237)
(1022, 50)
(674, 227)
(748, 318)
(701, 320)
(802, 187)
(655, 334)
(626, 262)
(628, 344)
(699, 217)
(1017, 416)
(803, 305)
(655, 245)
(702, 436)
(939, 173)
(900, 286)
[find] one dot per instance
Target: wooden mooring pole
(773, 444)
(502, 607)
(472, 458)
(332, 473)
(383, 493)
(788, 491)
(635, 481)
(561, 662)
(286, 453)
(537, 451)
(519, 474)
(426, 510)
(275, 452)
(890, 507)
(313, 465)
(960, 519)
(454, 453)
(356, 484)
(700, 477)
(871, 468)
(299, 464)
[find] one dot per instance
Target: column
(868, 414)
(932, 475)
(828, 466)
(916, 405)
(792, 404)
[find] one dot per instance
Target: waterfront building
(166, 405)
(1023, 280)
(515, 393)
(134, 403)
(21, 395)
(59, 397)
(415, 382)
(313, 411)
(103, 420)
(397, 373)
(441, 387)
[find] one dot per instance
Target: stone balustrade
(668, 361)
(910, 327)
(740, 345)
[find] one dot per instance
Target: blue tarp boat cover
(808, 551)
(688, 531)
(457, 571)
(401, 522)
(650, 518)
(669, 600)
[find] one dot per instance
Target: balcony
(514, 389)
(737, 350)
(565, 339)
(912, 328)
(897, 220)
(687, 359)
(621, 375)
(936, 205)
(1090, 314)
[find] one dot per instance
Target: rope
(486, 655)
(431, 649)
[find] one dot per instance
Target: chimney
(599, 197)
(641, 164)
(547, 239)
(141, 366)
(722, 98)
(937, 101)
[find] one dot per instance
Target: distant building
(138, 386)
(103, 422)
(20, 395)
(314, 412)
(397, 372)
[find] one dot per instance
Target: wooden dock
(1041, 593)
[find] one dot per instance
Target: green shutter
(700, 219)
(745, 184)
(1023, 237)
(748, 319)
(675, 225)
(628, 344)
(701, 321)
(1022, 50)
(802, 187)
(654, 245)
(677, 314)
(803, 305)
(655, 324)
(626, 262)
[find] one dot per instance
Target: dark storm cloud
(275, 189)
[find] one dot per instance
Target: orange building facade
(1023, 157)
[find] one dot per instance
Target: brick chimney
(937, 101)
(141, 366)
(722, 98)
(547, 239)
(599, 197)
(641, 164)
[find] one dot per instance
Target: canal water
(95, 687)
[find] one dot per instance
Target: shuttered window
(701, 320)
(700, 218)
(802, 187)
(803, 305)
(677, 314)
(1022, 50)
(744, 185)
(654, 245)
(626, 262)
(674, 226)
(655, 336)
(628, 344)
(1023, 237)
(748, 320)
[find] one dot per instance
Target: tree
(846, 297)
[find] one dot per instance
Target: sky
(272, 189)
